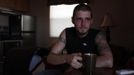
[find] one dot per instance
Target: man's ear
(92, 21)
(72, 20)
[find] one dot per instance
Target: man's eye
(88, 18)
(78, 18)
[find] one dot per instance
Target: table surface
(98, 71)
(105, 71)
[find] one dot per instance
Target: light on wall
(60, 18)
(106, 25)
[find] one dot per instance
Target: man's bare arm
(105, 58)
(55, 56)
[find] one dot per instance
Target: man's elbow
(109, 62)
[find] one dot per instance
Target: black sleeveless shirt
(75, 44)
(84, 45)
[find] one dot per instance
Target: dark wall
(122, 17)
(40, 9)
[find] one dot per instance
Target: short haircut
(82, 7)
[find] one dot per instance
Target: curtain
(57, 2)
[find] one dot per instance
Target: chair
(18, 60)
(120, 56)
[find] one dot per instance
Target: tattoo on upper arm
(101, 41)
(62, 37)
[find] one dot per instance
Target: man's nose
(82, 22)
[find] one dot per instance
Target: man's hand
(74, 60)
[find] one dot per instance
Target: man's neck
(82, 35)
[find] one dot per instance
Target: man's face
(82, 21)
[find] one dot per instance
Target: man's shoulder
(70, 28)
(94, 32)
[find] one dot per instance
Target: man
(81, 39)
